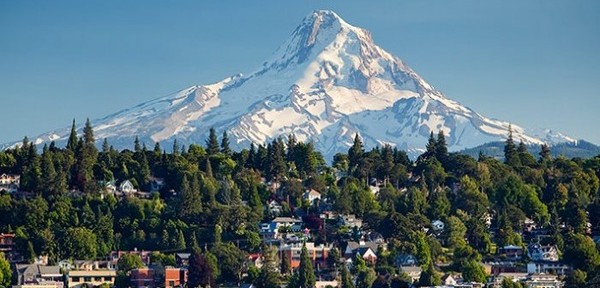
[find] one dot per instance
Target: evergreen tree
(88, 132)
(200, 273)
(429, 277)
(441, 148)
(346, 278)
(136, 145)
(545, 154)
(510, 151)
(306, 274)
(189, 201)
(355, 153)
(72, 141)
(225, 144)
(212, 143)
(431, 146)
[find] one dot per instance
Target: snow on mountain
(328, 82)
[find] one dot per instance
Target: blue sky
(534, 63)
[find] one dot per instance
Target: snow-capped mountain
(327, 82)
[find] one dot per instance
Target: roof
(183, 255)
(411, 269)
(286, 220)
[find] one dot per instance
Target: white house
(273, 229)
(539, 252)
(127, 187)
(312, 196)
(10, 183)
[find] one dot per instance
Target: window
(108, 279)
(87, 279)
(97, 279)
(171, 283)
(75, 279)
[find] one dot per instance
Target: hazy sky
(533, 63)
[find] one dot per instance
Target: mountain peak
(343, 84)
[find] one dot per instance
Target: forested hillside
(214, 199)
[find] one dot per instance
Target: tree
(200, 273)
(575, 279)
(225, 144)
(346, 278)
(268, 277)
(429, 277)
(80, 243)
(5, 272)
(72, 141)
(306, 274)
(472, 271)
(355, 153)
(581, 252)
(129, 262)
(286, 264)
(511, 156)
(88, 133)
(212, 143)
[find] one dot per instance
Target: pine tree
(225, 144)
(72, 142)
(356, 152)
(88, 132)
(175, 148)
(510, 151)
(212, 143)
(431, 146)
(136, 144)
(545, 154)
(346, 278)
(441, 148)
(306, 274)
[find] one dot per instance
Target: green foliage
(306, 273)
(5, 272)
(129, 262)
(80, 243)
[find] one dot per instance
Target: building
(275, 208)
(36, 274)
(10, 183)
(90, 273)
(367, 254)
(543, 281)
(496, 281)
(127, 187)
(273, 229)
(142, 277)
(349, 221)
(414, 272)
(175, 277)
(156, 184)
(182, 259)
(548, 267)
(405, 259)
(511, 252)
(353, 247)
(537, 252)
(7, 246)
(311, 196)
(317, 253)
(116, 255)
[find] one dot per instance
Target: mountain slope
(328, 82)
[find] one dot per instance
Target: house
(548, 267)
(353, 247)
(414, 272)
(511, 252)
(156, 184)
(366, 253)
(274, 208)
(537, 252)
(175, 277)
(496, 281)
(349, 221)
(273, 229)
(255, 259)
(405, 259)
(114, 256)
(91, 265)
(7, 246)
(324, 284)
(182, 259)
(27, 274)
(318, 253)
(10, 183)
(142, 277)
(312, 196)
(127, 187)
(93, 278)
(449, 280)
(543, 281)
